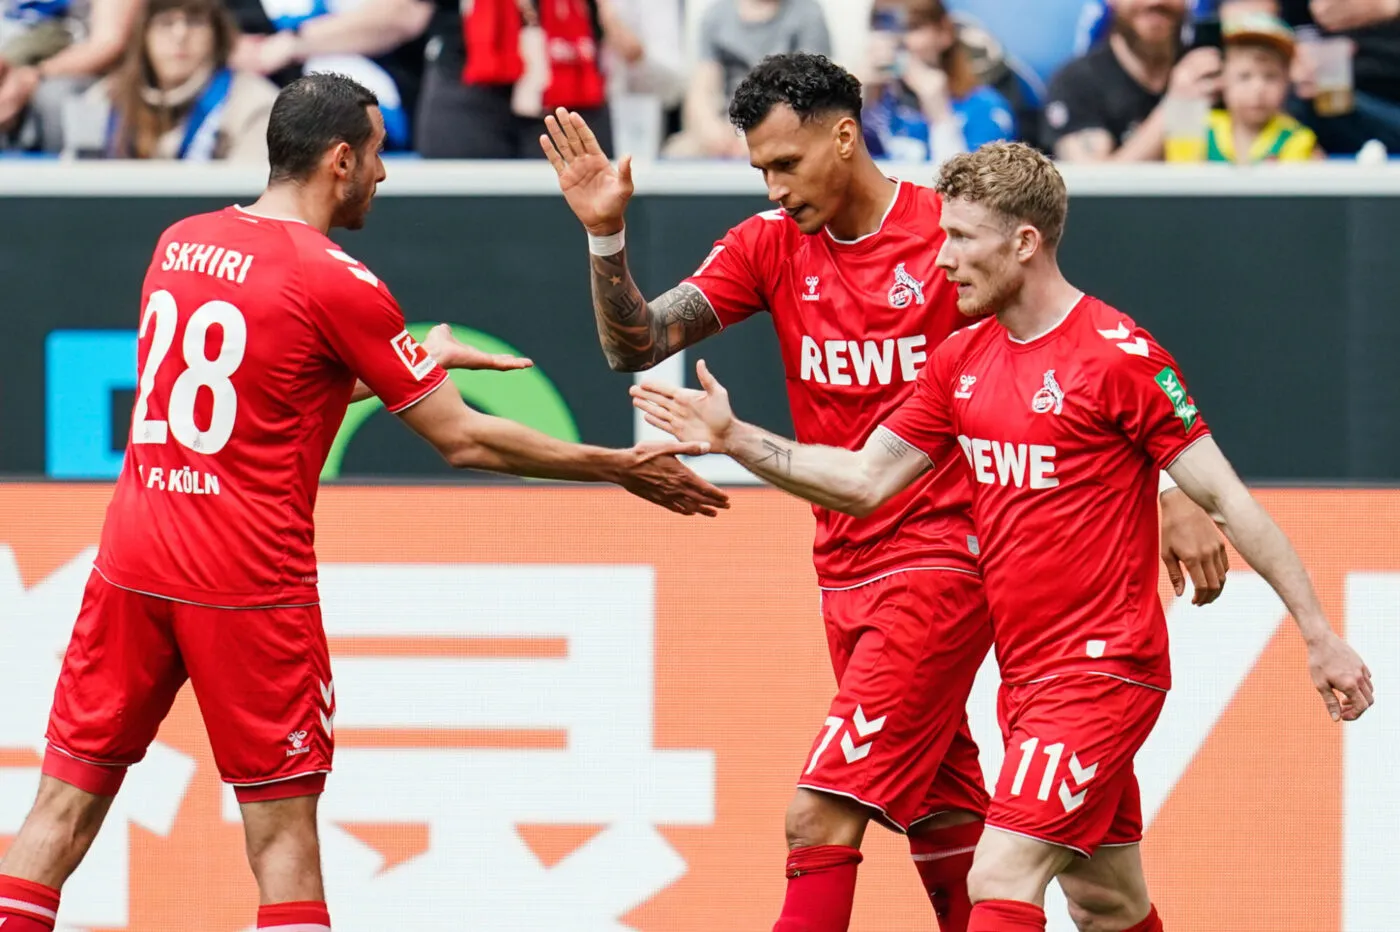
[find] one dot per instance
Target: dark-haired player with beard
(257, 331)
(845, 268)
(1111, 103)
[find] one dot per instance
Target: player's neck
(294, 202)
(868, 201)
(1043, 302)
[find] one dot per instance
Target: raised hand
(686, 414)
(452, 353)
(595, 190)
(657, 476)
(1336, 668)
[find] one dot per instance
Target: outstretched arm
(468, 439)
(1203, 473)
(451, 353)
(856, 482)
(635, 334)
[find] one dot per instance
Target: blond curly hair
(1014, 180)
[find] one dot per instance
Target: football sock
(1006, 916)
(26, 906)
(821, 888)
(943, 857)
(306, 916)
(1153, 923)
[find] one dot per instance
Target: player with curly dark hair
(846, 267)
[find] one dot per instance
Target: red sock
(1006, 916)
(1153, 923)
(307, 916)
(821, 888)
(26, 906)
(943, 857)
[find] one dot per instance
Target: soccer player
(1065, 410)
(845, 268)
(255, 328)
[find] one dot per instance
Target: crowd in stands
(1123, 80)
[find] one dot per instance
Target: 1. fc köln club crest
(906, 289)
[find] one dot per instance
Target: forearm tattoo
(777, 457)
(636, 335)
(895, 447)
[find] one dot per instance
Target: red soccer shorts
(262, 677)
(905, 649)
(1068, 774)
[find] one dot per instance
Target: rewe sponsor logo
(1022, 465)
(862, 362)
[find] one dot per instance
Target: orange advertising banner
(562, 709)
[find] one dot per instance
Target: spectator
(735, 35)
(1253, 126)
(33, 96)
(926, 103)
(494, 72)
(645, 78)
(377, 42)
(1110, 103)
(1374, 29)
(175, 97)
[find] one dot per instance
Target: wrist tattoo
(780, 455)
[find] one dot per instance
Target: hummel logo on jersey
(1050, 397)
(1136, 347)
(356, 268)
(906, 288)
(965, 383)
(413, 356)
(812, 294)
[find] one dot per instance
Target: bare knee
(823, 819)
(283, 849)
(1101, 909)
(1010, 867)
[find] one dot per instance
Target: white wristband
(1164, 482)
(607, 245)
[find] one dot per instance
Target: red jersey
(856, 322)
(252, 335)
(1065, 435)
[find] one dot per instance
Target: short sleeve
(1074, 103)
(1145, 396)
(365, 330)
(730, 278)
(925, 419)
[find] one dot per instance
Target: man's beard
(1152, 52)
(353, 208)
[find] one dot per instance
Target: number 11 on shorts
(1052, 751)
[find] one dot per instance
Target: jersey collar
(1039, 337)
(889, 211)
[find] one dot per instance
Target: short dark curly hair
(812, 85)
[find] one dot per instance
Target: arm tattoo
(779, 454)
(637, 335)
(895, 447)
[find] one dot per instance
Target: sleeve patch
(1170, 384)
(412, 355)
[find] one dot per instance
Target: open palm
(595, 190)
(686, 414)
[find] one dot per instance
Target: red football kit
(1065, 435)
(905, 616)
(252, 334)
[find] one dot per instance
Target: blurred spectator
(175, 97)
(1112, 103)
(1373, 26)
(735, 35)
(1253, 126)
(643, 62)
(376, 42)
(495, 67)
(60, 48)
(998, 69)
(925, 102)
